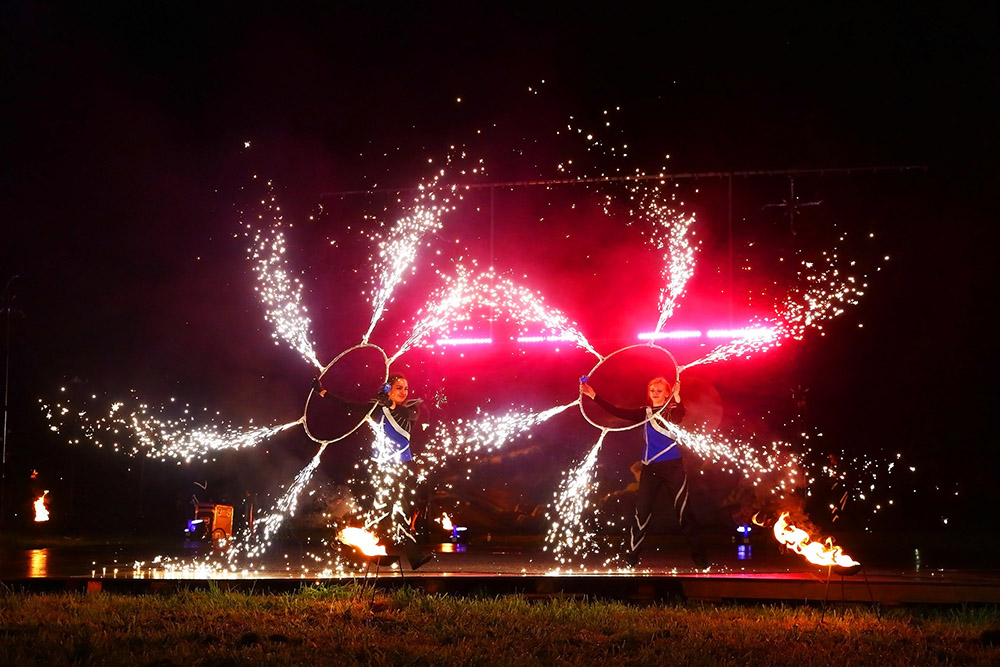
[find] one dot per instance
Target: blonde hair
(659, 379)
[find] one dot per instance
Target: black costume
(662, 466)
(395, 425)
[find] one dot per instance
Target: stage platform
(759, 572)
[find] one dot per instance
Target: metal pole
(493, 254)
(8, 300)
(730, 250)
(642, 177)
(791, 204)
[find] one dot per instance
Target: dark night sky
(122, 167)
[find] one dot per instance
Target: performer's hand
(317, 387)
(677, 392)
(587, 389)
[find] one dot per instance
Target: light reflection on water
(38, 563)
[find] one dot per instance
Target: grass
(343, 625)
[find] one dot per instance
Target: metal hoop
(677, 376)
(305, 421)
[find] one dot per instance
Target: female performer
(396, 417)
(662, 466)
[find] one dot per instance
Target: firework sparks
(284, 507)
(822, 293)
(669, 233)
(468, 439)
(465, 293)
(568, 534)
(465, 297)
(742, 458)
(152, 434)
(396, 255)
(279, 292)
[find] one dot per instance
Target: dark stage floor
(904, 569)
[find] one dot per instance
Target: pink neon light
(741, 333)
(670, 334)
(464, 341)
(542, 339)
(730, 334)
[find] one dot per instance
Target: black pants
(668, 476)
(409, 520)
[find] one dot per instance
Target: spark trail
(153, 435)
(397, 252)
(466, 294)
(668, 231)
(283, 508)
(467, 439)
(823, 293)
(279, 292)
(743, 458)
(452, 443)
(396, 255)
(568, 534)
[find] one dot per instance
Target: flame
(446, 522)
(41, 512)
(362, 540)
(801, 542)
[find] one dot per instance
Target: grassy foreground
(340, 625)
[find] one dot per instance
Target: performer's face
(658, 393)
(398, 391)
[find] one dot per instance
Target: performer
(662, 466)
(396, 416)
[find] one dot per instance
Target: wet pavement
(895, 570)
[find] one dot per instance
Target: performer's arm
(318, 390)
(631, 414)
(412, 409)
(675, 410)
(674, 413)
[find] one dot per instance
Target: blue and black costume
(662, 466)
(396, 425)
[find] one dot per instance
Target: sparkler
(467, 440)
(568, 533)
(153, 435)
(823, 293)
(280, 293)
(465, 293)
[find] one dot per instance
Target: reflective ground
(904, 555)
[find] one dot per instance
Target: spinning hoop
(646, 346)
(305, 412)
